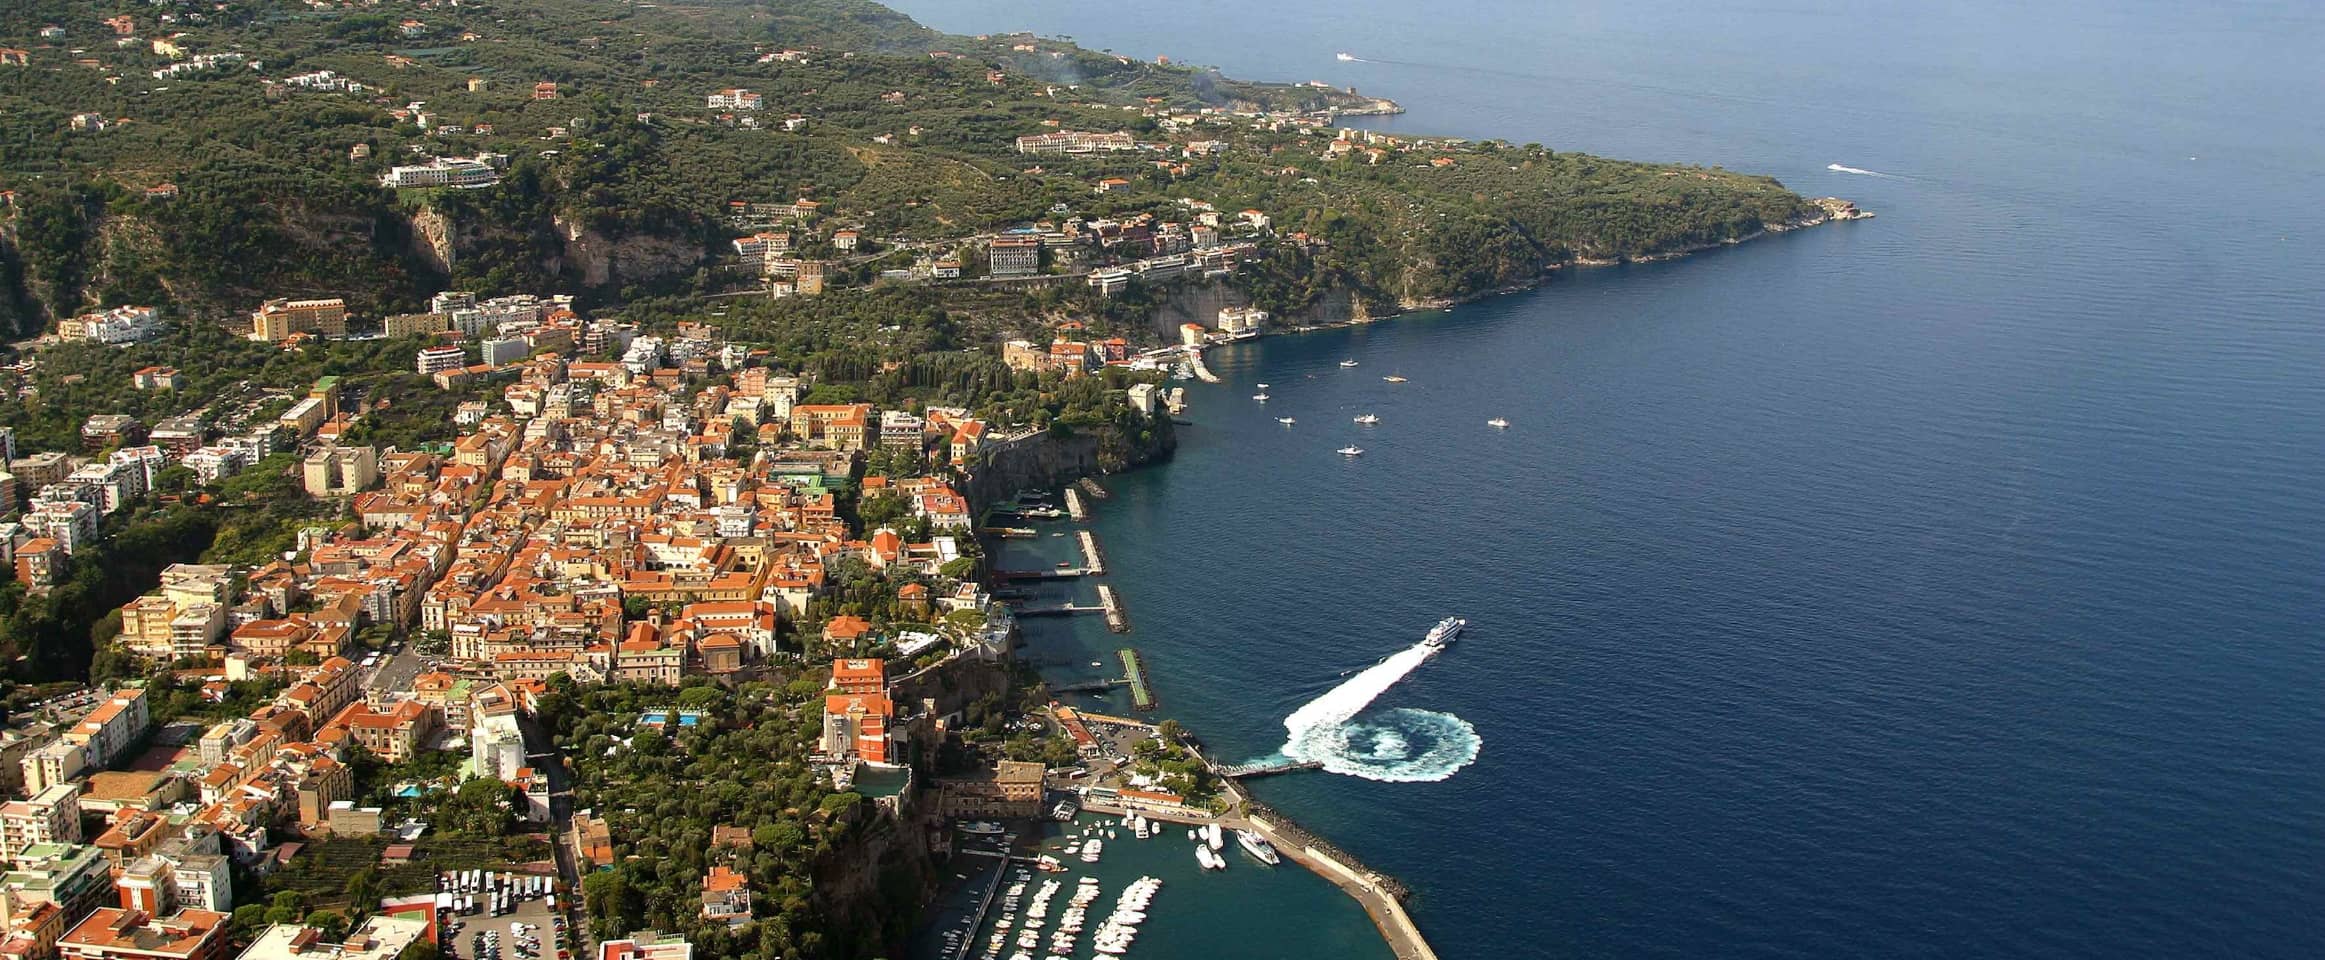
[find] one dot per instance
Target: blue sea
(1948, 584)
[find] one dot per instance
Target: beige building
(277, 319)
(341, 471)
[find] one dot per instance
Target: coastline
(1835, 209)
(1379, 894)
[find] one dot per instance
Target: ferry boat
(1352, 450)
(1348, 363)
(1443, 633)
(1261, 850)
(1394, 379)
(1498, 423)
(1367, 419)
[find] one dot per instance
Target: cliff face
(1048, 460)
(1200, 303)
(597, 260)
(870, 888)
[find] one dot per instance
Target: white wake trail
(1858, 171)
(1399, 746)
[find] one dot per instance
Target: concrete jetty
(1379, 895)
(1075, 507)
(1134, 671)
(1195, 360)
(1117, 619)
(1092, 563)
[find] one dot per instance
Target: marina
(1091, 888)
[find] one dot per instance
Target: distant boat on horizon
(1392, 378)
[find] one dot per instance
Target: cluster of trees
(744, 765)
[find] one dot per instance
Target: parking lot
(527, 929)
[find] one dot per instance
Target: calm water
(1947, 584)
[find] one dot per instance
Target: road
(542, 751)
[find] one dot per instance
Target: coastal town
(576, 525)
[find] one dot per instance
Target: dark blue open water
(1944, 585)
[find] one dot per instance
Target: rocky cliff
(1049, 459)
(1200, 303)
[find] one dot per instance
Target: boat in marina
(982, 828)
(1212, 836)
(1091, 850)
(1256, 845)
(1352, 450)
(1209, 860)
(1367, 419)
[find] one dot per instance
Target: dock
(1061, 573)
(1092, 563)
(1117, 619)
(1133, 670)
(1203, 373)
(1059, 610)
(1266, 768)
(1074, 507)
(1381, 896)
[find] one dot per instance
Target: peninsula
(515, 470)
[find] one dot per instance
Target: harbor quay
(1380, 895)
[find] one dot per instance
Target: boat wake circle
(1402, 745)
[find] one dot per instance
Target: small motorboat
(1394, 379)
(1367, 419)
(1352, 450)
(1286, 421)
(1498, 423)
(1348, 363)
(1261, 397)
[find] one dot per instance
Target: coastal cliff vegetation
(219, 183)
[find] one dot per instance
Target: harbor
(1044, 572)
(1186, 910)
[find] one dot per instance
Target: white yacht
(1348, 363)
(1261, 397)
(1498, 423)
(1367, 419)
(1256, 845)
(1352, 450)
(1286, 421)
